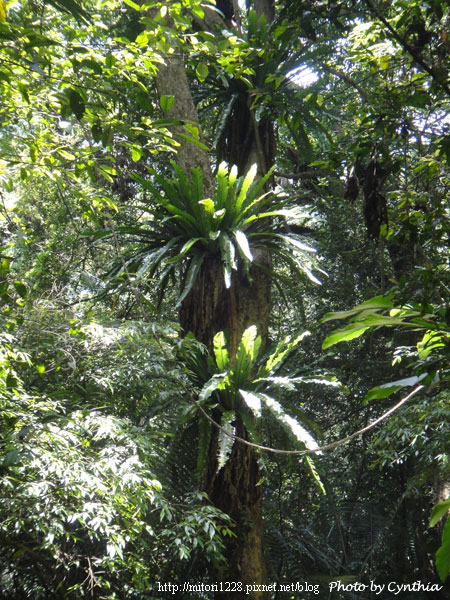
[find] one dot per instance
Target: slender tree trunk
(173, 82)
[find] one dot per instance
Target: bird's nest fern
(183, 227)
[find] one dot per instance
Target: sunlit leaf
(202, 71)
(2, 11)
(225, 442)
(246, 354)
(221, 343)
(386, 389)
(350, 332)
(243, 245)
(378, 302)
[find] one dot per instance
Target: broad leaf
(291, 424)
(277, 358)
(185, 249)
(443, 553)
(166, 102)
(350, 332)
(385, 390)
(246, 354)
(191, 276)
(216, 382)
(221, 345)
(243, 245)
(376, 303)
(228, 253)
(315, 473)
(248, 180)
(290, 383)
(253, 401)
(439, 511)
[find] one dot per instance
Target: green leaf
(65, 154)
(431, 342)
(292, 425)
(443, 553)
(277, 358)
(378, 302)
(191, 276)
(228, 254)
(385, 390)
(97, 132)
(76, 104)
(216, 382)
(208, 204)
(93, 65)
(2, 11)
(40, 369)
(202, 71)
(290, 383)
(136, 154)
(248, 418)
(350, 332)
(248, 180)
(315, 473)
(225, 442)
(253, 401)
(246, 354)
(198, 11)
(21, 289)
(439, 511)
(71, 7)
(166, 103)
(243, 245)
(193, 140)
(185, 249)
(221, 345)
(132, 4)
(384, 62)
(12, 458)
(290, 239)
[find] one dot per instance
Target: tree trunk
(235, 490)
(172, 81)
(210, 308)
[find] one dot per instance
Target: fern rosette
(183, 227)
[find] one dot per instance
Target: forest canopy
(225, 299)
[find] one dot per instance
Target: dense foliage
(301, 147)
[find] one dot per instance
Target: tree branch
(305, 174)
(410, 49)
(347, 79)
